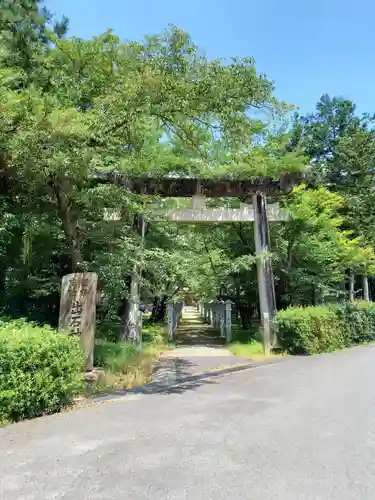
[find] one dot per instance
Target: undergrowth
(124, 367)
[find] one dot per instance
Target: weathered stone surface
(223, 214)
(228, 321)
(198, 212)
(78, 310)
(93, 376)
(179, 187)
(266, 284)
(132, 317)
(174, 312)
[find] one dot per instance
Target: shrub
(309, 330)
(40, 370)
(362, 322)
(325, 328)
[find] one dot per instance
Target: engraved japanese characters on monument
(78, 310)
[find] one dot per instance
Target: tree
(313, 252)
(340, 147)
(25, 35)
(98, 105)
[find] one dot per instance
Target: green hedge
(40, 370)
(325, 328)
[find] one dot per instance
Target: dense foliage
(70, 108)
(40, 370)
(325, 328)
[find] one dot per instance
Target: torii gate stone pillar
(266, 284)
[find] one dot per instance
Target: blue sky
(308, 47)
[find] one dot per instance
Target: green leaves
(40, 370)
(325, 328)
(314, 251)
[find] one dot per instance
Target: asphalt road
(302, 429)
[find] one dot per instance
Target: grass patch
(252, 350)
(241, 336)
(124, 367)
(247, 344)
(114, 357)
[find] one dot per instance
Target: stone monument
(78, 311)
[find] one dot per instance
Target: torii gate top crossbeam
(212, 188)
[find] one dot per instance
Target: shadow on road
(199, 336)
(179, 388)
(178, 385)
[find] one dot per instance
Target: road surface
(301, 429)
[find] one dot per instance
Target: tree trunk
(69, 224)
(351, 286)
(159, 308)
(281, 291)
(313, 295)
(131, 314)
(163, 308)
(155, 306)
(245, 316)
(366, 291)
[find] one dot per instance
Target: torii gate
(259, 213)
